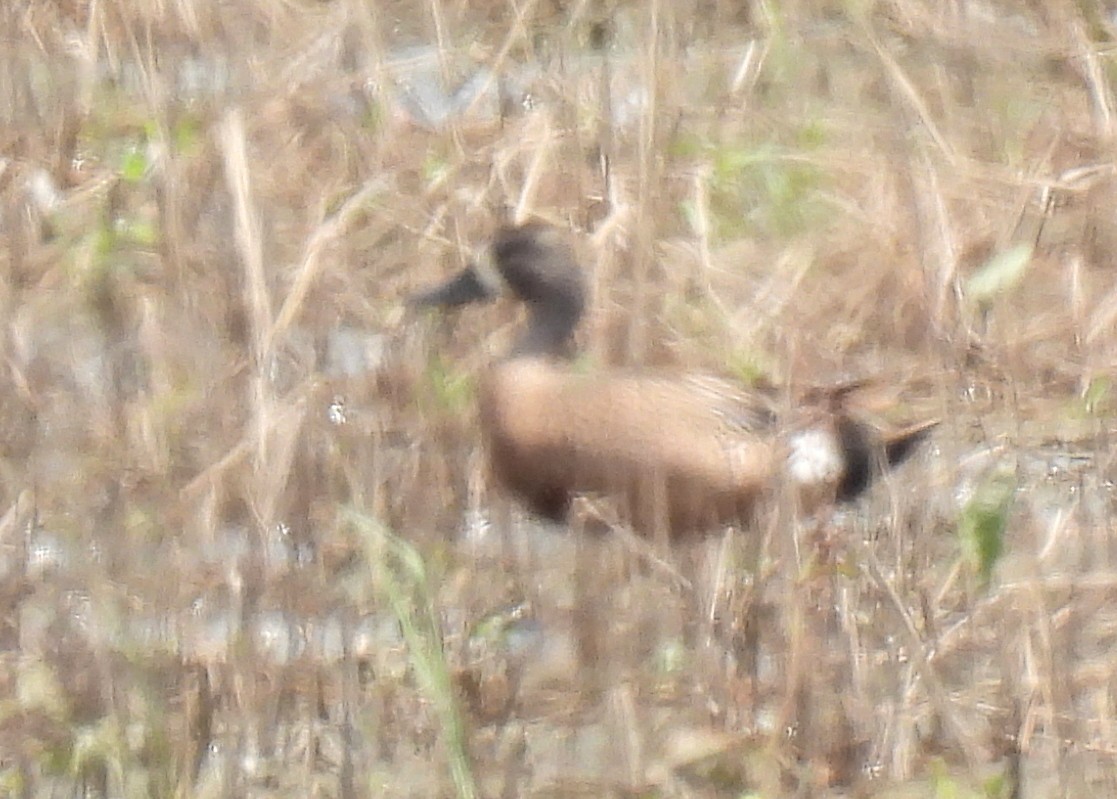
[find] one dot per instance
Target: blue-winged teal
(678, 453)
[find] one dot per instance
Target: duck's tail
(868, 452)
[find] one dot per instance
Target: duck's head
(534, 264)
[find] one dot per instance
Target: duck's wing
(740, 410)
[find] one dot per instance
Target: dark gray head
(534, 264)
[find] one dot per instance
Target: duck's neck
(549, 334)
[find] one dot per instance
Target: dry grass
(214, 409)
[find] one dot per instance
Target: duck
(678, 454)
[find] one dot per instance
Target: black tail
(867, 452)
(899, 446)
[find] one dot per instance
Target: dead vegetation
(248, 547)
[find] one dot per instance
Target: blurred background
(248, 544)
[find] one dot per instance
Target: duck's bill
(462, 289)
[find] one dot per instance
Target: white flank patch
(814, 458)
